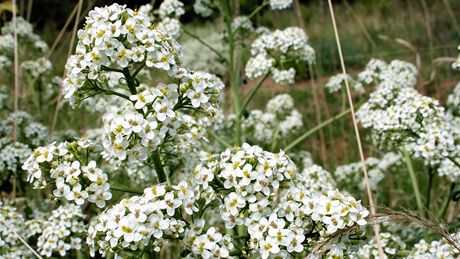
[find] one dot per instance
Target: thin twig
(69, 52)
(61, 33)
(314, 129)
(204, 43)
(358, 137)
(251, 95)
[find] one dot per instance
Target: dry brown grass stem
(388, 215)
(358, 137)
(61, 33)
(410, 217)
(69, 52)
(16, 72)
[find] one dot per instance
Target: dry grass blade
(411, 217)
(358, 137)
(16, 71)
(72, 40)
(321, 247)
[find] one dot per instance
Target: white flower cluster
(399, 116)
(398, 72)
(26, 37)
(242, 23)
(116, 37)
(62, 231)
(280, 117)
(280, 50)
(337, 82)
(35, 68)
(168, 13)
(247, 180)
(313, 217)
(453, 100)
(449, 169)
(352, 174)
(280, 4)
(284, 77)
(249, 174)
(134, 222)
(435, 249)
(67, 166)
(207, 244)
(316, 179)
(169, 8)
(207, 61)
(159, 117)
(14, 153)
(392, 247)
(11, 220)
(204, 8)
(456, 64)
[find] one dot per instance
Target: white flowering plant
(168, 170)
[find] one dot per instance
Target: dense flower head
(204, 8)
(453, 100)
(401, 116)
(392, 247)
(398, 72)
(280, 4)
(116, 37)
(250, 175)
(62, 231)
(242, 23)
(279, 52)
(337, 82)
(26, 37)
(352, 174)
(134, 222)
(74, 178)
(160, 115)
(173, 8)
(12, 221)
(280, 117)
(435, 249)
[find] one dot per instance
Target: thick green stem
(232, 72)
(159, 167)
(413, 177)
(129, 81)
(316, 128)
(252, 94)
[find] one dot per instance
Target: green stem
(446, 203)
(219, 139)
(129, 81)
(413, 177)
(159, 167)
(204, 43)
(252, 94)
(233, 73)
(115, 187)
(430, 185)
(316, 128)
